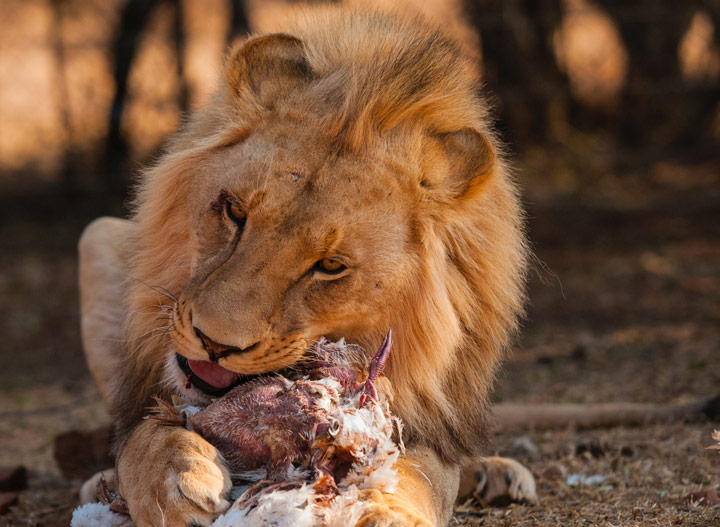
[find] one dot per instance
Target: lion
(343, 181)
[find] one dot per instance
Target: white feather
(98, 515)
(291, 508)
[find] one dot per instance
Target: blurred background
(611, 113)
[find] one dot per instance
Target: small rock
(579, 353)
(627, 451)
(7, 500)
(525, 446)
(556, 471)
(703, 498)
(578, 480)
(566, 449)
(574, 480)
(711, 410)
(13, 478)
(594, 480)
(587, 342)
(82, 453)
(545, 359)
(593, 448)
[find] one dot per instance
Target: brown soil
(625, 306)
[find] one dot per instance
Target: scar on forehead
(297, 175)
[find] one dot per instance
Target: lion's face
(342, 183)
(290, 243)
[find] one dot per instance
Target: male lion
(343, 181)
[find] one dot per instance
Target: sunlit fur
(354, 144)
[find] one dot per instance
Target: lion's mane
(468, 292)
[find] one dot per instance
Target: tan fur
(416, 502)
(194, 484)
(376, 117)
(102, 267)
(357, 136)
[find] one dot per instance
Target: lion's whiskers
(157, 289)
(166, 330)
(158, 309)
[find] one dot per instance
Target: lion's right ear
(267, 67)
(471, 160)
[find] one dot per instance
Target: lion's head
(343, 182)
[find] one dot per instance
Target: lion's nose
(216, 350)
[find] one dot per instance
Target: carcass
(301, 447)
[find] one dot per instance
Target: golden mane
(370, 73)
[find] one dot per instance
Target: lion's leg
(497, 481)
(88, 491)
(103, 252)
(424, 498)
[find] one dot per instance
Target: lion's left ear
(471, 160)
(267, 67)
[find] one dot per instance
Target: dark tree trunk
(135, 16)
(179, 42)
(67, 171)
(654, 92)
(519, 64)
(238, 20)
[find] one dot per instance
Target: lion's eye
(330, 266)
(236, 214)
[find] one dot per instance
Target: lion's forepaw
(178, 479)
(387, 510)
(501, 481)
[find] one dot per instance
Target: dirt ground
(624, 306)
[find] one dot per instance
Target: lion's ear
(267, 67)
(471, 160)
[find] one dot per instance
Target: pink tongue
(212, 373)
